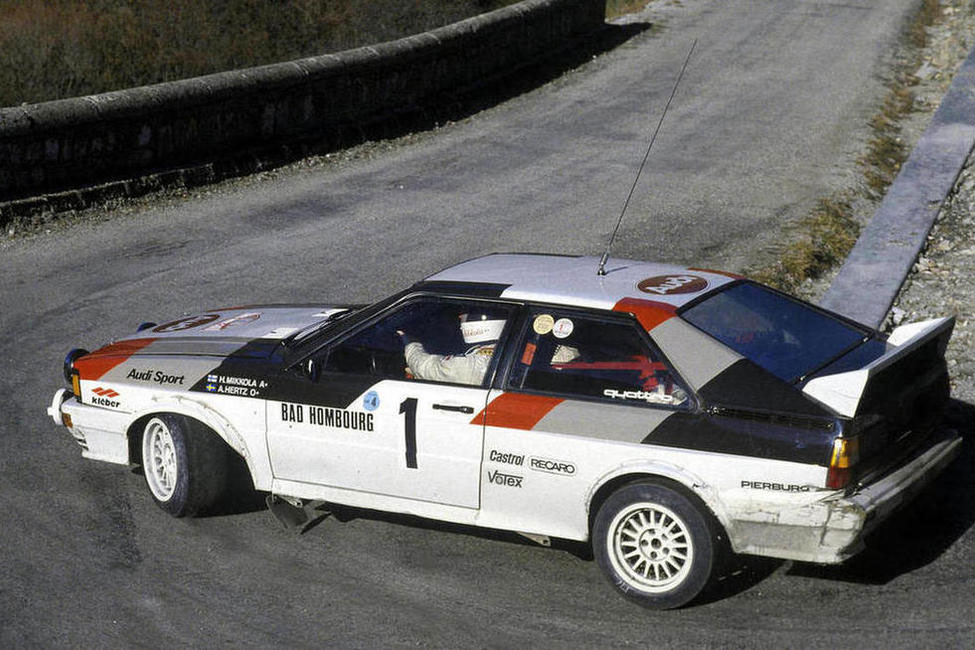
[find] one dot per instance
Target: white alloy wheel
(159, 458)
(650, 547)
(185, 464)
(655, 542)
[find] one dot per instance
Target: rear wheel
(654, 544)
(185, 464)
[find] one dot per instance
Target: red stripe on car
(726, 274)
(650, 313)
(516, 411)
(95, 364)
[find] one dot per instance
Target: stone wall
(65, 144)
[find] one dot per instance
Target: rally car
(659, 413)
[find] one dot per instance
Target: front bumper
(831, 530)
(100, 433)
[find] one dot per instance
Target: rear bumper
(831, 530)
(100, 433)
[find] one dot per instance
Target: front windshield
(788, 338)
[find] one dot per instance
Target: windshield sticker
(665, 285)
(543, 324)
(562, 328)
(230, 322)
(186, 323)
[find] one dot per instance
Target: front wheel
(654, 544)
(184, 463)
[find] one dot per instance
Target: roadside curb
(872, 275)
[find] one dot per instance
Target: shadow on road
(921, 532)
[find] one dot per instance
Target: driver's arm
(437, 367)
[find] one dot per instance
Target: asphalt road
(769, 118)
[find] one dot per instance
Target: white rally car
(656, 411)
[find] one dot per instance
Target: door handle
(449, 407)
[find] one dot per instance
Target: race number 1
(408, 408)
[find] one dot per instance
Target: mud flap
(292, 517)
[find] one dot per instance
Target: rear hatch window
(790, 338)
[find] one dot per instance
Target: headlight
(69, 360)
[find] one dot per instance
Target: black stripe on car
(746, 411)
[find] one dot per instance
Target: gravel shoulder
(941, 282)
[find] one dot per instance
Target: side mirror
(312, 368)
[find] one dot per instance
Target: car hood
(247, 332)
(221, 332)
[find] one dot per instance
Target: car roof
(573, 280)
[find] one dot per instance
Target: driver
(480, 331)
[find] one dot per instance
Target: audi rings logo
(665, 285)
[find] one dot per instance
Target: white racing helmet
(480, 328)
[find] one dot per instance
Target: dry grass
(825, 237)
(928, 14)
(617, 8)
(64, 48)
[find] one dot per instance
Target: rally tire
(655, 544)
(184, 463)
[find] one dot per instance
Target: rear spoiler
(844, 392)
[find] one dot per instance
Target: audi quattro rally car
(654, 411)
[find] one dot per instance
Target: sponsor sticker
(186, 323)
(653, 397)
(665, 285)
(543, 324)
(551, 466)
(104, 397)
(324, 416)
(507, 480)
(156, 377)
(230, 322)
(506, 458)
(562, 328)
(775, 487)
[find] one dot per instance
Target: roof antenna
(601, 270)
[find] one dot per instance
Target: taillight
(846, 454)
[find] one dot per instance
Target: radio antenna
(601, 270)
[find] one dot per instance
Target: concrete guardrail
(71, 143)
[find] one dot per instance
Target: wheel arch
(195, 411)
(700, 492)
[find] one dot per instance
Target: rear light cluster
(845, 456)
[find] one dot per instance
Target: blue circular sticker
(371, 401)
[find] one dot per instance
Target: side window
(426, 338)
(583, 355)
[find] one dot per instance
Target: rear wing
(911, 349)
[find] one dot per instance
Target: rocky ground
(943, 280)
(943, 283)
